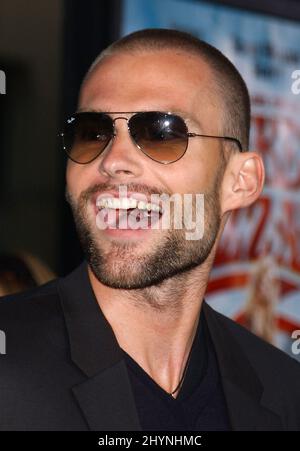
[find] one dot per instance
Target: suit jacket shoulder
(245, 358)
(36, 371)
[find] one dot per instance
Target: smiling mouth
(126, 213)
(127, 203)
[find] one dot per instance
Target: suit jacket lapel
(249, 404)
(105, 397)
(107, 402)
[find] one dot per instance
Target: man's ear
(243, 181)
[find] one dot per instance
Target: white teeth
(125, 203)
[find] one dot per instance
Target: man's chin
(119, 264)
(120, 277)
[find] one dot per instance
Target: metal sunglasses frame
(134, 113)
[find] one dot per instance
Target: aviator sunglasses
(162, 136)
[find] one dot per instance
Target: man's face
(153, 81)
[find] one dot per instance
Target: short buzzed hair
(229, 84)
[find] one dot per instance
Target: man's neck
(156, 326)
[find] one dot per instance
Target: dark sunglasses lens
(86, 135)
(161, 136)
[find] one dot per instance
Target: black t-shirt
(200, 404)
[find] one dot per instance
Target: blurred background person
(22, 271)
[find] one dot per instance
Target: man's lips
(130, 212)
(131, 219)
(130, 200)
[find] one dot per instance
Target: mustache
(100, 187)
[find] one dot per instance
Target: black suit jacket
(64, 370)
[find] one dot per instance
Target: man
(127, 342)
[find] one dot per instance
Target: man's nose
(121, 156)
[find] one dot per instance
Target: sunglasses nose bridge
(114, 121)
(119, 117)
(114, 127)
